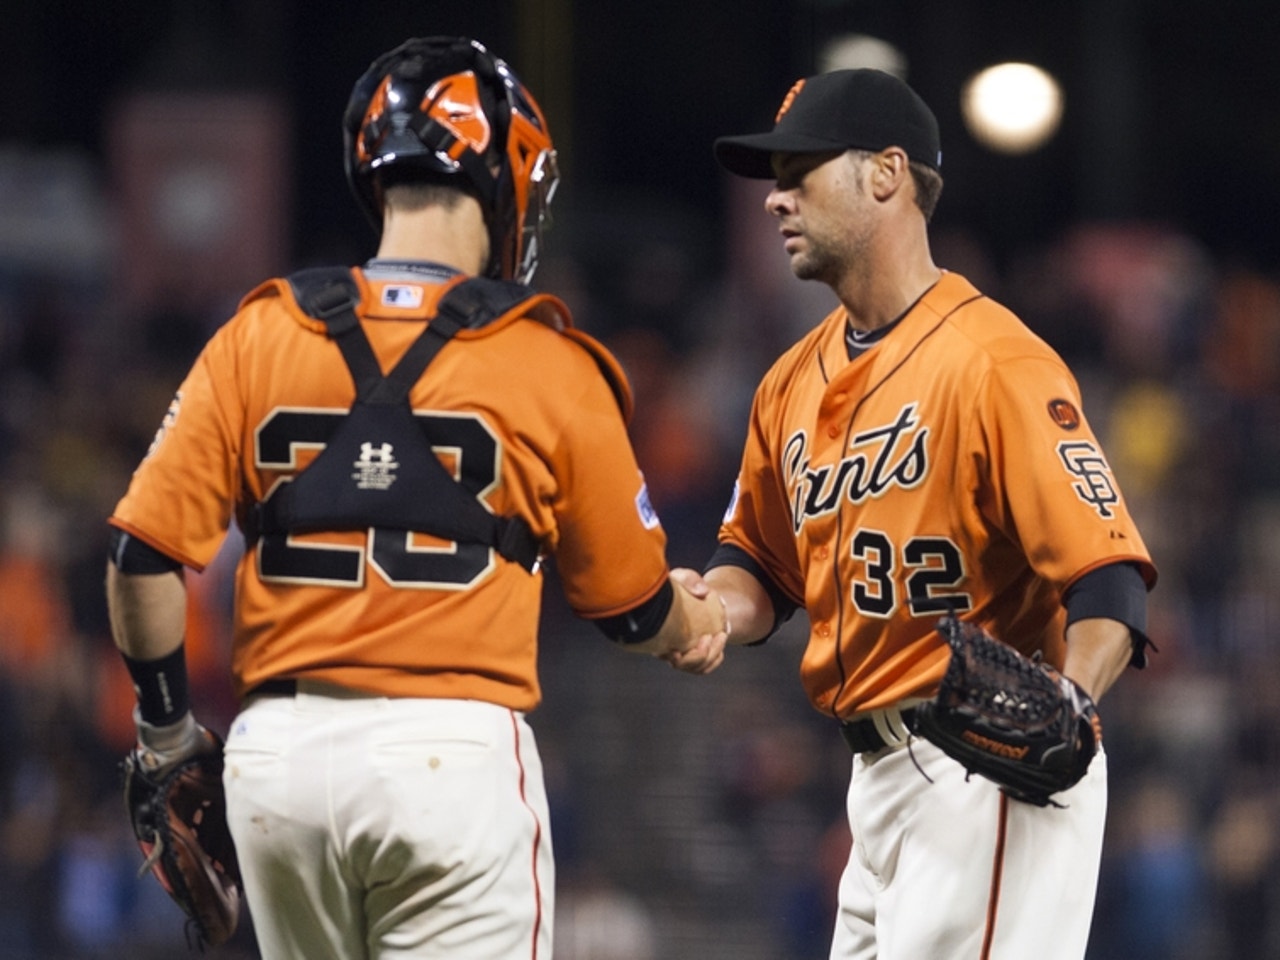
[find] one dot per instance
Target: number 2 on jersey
(931, 570)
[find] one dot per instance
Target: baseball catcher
(1014, 720)
(174, 796)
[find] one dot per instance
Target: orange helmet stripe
(454, 102)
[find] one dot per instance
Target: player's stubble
(834, 230)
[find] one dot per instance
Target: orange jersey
(533, 424)
(949, 467)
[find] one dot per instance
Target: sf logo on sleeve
(1094, 483)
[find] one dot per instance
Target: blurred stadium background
(160, 157)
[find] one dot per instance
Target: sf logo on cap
(789, 99)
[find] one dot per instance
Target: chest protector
(377, 469)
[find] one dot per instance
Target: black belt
(863, 737)
(277, 687)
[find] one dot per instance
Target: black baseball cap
(845, 109)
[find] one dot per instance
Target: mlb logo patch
(406, 296)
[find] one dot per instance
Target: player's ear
(890, 169)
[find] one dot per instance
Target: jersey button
(833, 431)
(840, 397)
(824, 630)
(821, 553)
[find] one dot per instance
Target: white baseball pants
(954, 870)
(370, 828)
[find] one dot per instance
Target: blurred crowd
(693, 817)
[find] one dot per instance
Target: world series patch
(644, 507)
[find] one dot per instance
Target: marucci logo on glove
(995, 746)
(1016, 721)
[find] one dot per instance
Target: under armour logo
(375, 467)
(368, 454)
(1094, 483)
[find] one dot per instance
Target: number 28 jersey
(517, 410)
(950, 468)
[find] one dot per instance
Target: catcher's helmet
(442, 107)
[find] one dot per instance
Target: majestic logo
(880, 458)
(789, 99)
(1064, 414)
(375, 467)
(1094, 483)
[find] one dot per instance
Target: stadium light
(1012, 108)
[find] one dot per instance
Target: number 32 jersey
(528, 423)
(948, 468)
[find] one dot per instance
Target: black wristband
(161, 686)
(640, 623)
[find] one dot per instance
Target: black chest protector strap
(378, 469)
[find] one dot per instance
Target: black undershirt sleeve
(639, 623)
(1114, 592)
(131, 555)
(728, 555)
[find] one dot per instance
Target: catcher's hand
(1015, 721)
(179, 816)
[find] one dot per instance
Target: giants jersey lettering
(533, 429)
(948, 468)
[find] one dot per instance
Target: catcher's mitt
(180, 820)
(1015, 721)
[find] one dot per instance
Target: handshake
(696, 630)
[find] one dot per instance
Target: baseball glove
(179, 817)
(1014, 720)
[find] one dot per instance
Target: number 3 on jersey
(926, 575)
(454, 566)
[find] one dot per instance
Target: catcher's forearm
(148, 612)
(1098, 650)
(148, 620)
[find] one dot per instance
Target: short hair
(928, 188)
(418, 194)
(927, 180)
